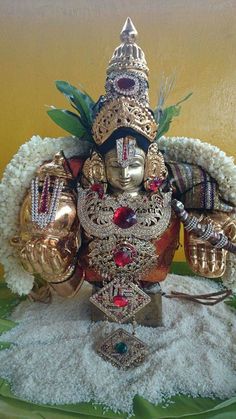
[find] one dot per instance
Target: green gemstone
(121, 347)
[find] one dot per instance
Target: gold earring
(155, 169)
(94, 171)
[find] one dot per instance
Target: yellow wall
(45, 40)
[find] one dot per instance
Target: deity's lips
(124, 182)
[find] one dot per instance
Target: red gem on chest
(97, 187)
(124, 217)
(155, 184)
(123, 257)
(120, 301)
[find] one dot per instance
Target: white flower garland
(21, 169)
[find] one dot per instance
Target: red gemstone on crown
(125, 83)
(120, 301)
(124, 217)
(97, 187)
(155, 184)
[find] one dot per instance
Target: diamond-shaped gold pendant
(120, 300)
(123, 350)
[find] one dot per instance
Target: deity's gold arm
(50, 252)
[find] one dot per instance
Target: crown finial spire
(128, 56)
(129, 33)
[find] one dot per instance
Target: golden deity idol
(113, 219)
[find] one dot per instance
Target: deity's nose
(124, 172)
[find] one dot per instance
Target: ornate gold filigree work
(124, 112)
(102, 258)
(96, 215)
(94, 170)
(154, 165)
(135, 299)
(135, 354)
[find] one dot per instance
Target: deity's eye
(135, 165)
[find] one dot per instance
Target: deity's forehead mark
(125, 153)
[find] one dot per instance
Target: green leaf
(90, 102)
(4, 345)
(6, 325)
(184, 99)
(69, 122)
(231, 302)
(81, 100)
(166, 118)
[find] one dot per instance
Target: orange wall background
(45, 40)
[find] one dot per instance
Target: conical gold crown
(128, 55)
(126, 103)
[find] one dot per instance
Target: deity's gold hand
(52, 258)
(203, 258)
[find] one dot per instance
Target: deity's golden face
(125, 179)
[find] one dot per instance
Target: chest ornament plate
(144, 217)
(120, 300)
(114, 257)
